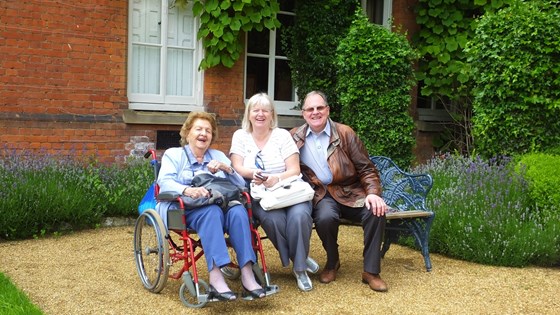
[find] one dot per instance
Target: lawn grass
(13, 301)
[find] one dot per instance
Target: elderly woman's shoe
(223, 296)
(255, 294)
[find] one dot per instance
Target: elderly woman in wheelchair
(210, 221)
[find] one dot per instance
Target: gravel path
(93, 272)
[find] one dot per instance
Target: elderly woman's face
(200, 134)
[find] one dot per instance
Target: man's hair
(321, 94)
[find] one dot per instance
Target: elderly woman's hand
(216, 166)
(196, 192)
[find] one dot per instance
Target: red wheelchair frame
(155, 251)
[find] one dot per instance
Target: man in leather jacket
(347, 185)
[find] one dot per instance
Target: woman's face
(200, 134)
(260, 116)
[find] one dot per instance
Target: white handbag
(287, 192)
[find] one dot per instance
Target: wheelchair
(156, 250)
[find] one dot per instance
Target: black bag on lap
(222, 192)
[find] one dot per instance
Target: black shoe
(255, 294)
(224, 296)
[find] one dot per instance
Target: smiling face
(260, 116)
(200, 135)
(315, 112)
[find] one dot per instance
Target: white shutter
(163, 57)
(180, 47)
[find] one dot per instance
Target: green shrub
(126, 185)
(515, 60)
(375, 78)
(45, 194)
(484, 214)
(542, 172)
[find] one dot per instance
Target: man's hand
(376, 204)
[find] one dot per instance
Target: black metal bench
(405, 194)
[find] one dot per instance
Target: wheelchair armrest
(168, 196)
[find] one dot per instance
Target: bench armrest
(402, 190)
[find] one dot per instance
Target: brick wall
(63, 76)
(63, 80)
(223, 95)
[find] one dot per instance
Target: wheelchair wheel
(189, 298)
(151, 251)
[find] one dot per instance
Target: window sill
(153, 118)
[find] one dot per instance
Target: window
(379, 11)
(266, 64)
(163, 57)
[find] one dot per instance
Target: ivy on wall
(311, 45)
(446, 27)
(375, 77)
(222, 23)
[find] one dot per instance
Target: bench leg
(421, 231)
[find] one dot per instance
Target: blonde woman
(265, 154)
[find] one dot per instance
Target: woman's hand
(216, 166)
(196, 192)
(267, 180)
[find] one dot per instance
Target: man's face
(315, 112)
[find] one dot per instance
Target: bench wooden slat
(408, 214)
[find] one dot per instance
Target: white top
(274, 153)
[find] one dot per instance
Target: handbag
(222, 192)
(287, 192)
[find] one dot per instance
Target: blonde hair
(193, 116)
(263, 100)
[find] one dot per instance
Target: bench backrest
(402, 190)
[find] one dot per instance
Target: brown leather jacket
(354, 175)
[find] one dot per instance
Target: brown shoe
(375, 282)
(329, 275)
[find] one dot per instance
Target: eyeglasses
(259, 161)
(310, 110)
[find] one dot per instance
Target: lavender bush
(484, 214)
(42, 193)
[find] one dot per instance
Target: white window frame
(282, 107)
(161, 101)
(387, 11)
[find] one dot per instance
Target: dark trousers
(326, 216)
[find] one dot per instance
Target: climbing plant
(222, 23)
(311, 45)
(445, 28)
(515, 62)
(375, 77)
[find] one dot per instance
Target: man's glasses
(259, 162)
(310, 110)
